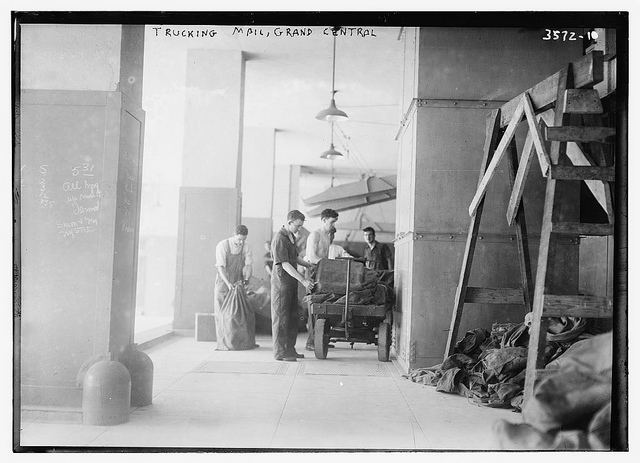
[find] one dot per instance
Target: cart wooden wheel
(321, 338)
(384, 341)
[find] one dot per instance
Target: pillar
(80, 152)
(210, 197)
(452, 80)
(258, 157)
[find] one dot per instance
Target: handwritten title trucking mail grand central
(264, 32)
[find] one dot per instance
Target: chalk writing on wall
(45, 201)
(82, 198)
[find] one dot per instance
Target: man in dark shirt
(284, 288)
(377, 255)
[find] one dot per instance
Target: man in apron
(235, 329)
(284, 288)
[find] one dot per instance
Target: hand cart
(351, 323)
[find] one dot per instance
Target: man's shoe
(298, 356)
(286, 359)
(310, 348)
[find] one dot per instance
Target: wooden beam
(585, 101)
(606, 174)
(497, 157)
(585, 229)
(539, 324)
(587, 71)
(522, 241)
(536, 134)
(581, 134)
(521, 177)
(577, 306)
(477, 295)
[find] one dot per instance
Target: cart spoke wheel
(321, 338)
(384, 341)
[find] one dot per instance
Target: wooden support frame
(585, 73)
(512, 296)
(497, 157)
(565, 141)
(540, 324)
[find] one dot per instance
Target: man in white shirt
(232, 246)
(318, 244)
(319, 240)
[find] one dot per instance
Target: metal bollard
(140, 368)
(106, 394)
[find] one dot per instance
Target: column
(80, 153)
(258, 157)
(210, 197)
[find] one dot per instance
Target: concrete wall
(440, 153)
(70, 57)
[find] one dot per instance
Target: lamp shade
(331, 153)
(332, 114)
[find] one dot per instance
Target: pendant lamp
(331, 153)
(332, 114)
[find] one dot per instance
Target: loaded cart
(343, 320)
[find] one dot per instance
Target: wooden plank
(536, 133)
(584, 101)
(497, 157)
(607, 174)
(522, 240)
(586, 72)
(476, 295)
(539, 324)
(581, 134)
(585, 229)
(521, 176)
(577, 306)
(492, 132)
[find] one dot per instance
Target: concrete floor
(247, 400)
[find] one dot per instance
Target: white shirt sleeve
(221, 254)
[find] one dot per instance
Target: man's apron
(235, 320)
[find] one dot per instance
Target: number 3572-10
(566, 35)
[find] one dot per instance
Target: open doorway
(287, 79)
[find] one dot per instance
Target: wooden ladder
(568, 143)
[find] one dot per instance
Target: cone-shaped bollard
(106, 394)
(140, 368)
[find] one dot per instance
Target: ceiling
(288, 80)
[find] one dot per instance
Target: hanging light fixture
(332, 114)
(331, 153)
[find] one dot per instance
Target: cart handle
(346, 301)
